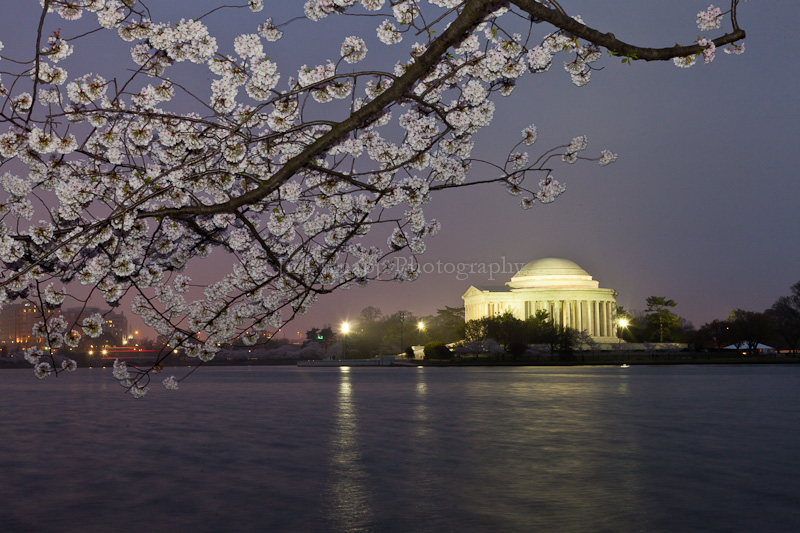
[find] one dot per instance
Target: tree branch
(614, 45)
(473, 13)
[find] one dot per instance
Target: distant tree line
(373, 333)
(778, 327)
(515, 335)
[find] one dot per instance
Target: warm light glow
(420, 325)
(345, 328)
(105, 352)
(623, 322)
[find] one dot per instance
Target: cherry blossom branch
(609, 41)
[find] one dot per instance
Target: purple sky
(700, 206)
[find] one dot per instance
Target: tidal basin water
(679, 448)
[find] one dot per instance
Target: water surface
(683, 448)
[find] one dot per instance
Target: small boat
(623, 365)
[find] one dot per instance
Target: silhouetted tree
(366, 338)
(716, 334)
(437, 350)
(507, 329)
(447, 325)
(663, 324)
(686, 331)
(392, 326)
(325, 336)
(749, 328)
(784, 315)
(537, 326)
(312, 335)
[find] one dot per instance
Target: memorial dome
(558, 287)
(552, 272)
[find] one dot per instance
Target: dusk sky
(700, 206)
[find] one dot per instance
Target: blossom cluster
(710, 19)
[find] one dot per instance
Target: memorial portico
(562, 288)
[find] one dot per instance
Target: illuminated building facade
(16, 325)
(17, 321)
(558, 286)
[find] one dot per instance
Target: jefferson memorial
(560, 287)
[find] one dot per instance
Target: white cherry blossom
(290, 174)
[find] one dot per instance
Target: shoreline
(632, 359)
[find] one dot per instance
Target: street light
(623, 323)
(345, 331)
(402, 319)
(420, 328)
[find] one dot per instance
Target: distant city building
(562, 288)
(17, 321)
(115, 325)
(16, 325)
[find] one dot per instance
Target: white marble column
(573, 314)
(576, 315)
(602, 307)
(598, 319)
(567, 313)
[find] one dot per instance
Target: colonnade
(596, 317)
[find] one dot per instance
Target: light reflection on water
(349, 507)
(406, 449)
